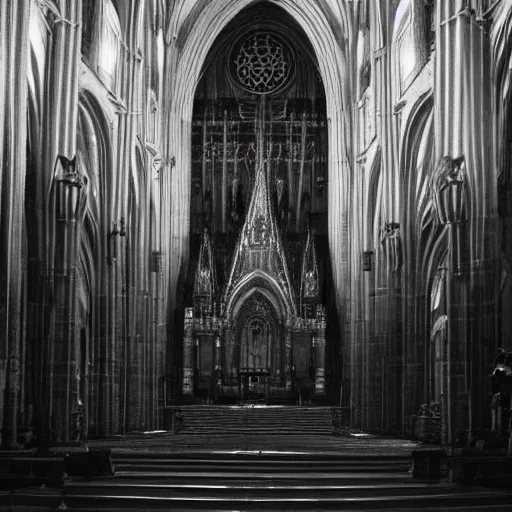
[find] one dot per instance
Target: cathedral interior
(303, 203)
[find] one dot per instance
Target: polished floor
(163, 442)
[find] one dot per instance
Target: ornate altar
(254, 343)
(259, 333)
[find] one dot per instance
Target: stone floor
(160, 471)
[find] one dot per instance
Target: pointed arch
(416, 164)
(259, 282)
(190, 37)
(95, 139)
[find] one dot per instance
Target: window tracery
(109, 46)
(262, 63)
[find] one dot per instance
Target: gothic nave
(302, 203)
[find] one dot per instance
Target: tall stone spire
(259, 246)
(204, 285)
(309, 286)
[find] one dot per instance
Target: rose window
(262, 63)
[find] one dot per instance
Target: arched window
(409, 42)
(109, 47)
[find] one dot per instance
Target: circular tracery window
(262, 63)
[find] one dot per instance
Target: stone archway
(190, 38)
(257, 335)
(258, 347)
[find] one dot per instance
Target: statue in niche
(256, 343)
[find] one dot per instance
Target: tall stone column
(69, 199)
(135, 344)
(188, 354)
(230, 369)
(288, 356)
(218, 366)
(449, 194)
(14, 25)
(463, 110)
(218, 353)
(320, 356)
(392, 355)
(56, 230)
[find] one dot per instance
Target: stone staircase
(244, 481)
(225, 420)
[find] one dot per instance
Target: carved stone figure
(310, 284)
(260, 233)
(448, 188)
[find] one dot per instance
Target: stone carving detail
(391, 238)
(448, 182)
(260, 231)
(262, 63)
(310, 284)
(66, 171)
(310, 288)
(204, 282)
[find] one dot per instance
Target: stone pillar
(56, 226)
(230, 369)
(14, 38)
(69, 200)
(128, 93)
(463, 110)
(188, 362)
(392, 355)
(288, 356)
(320, 356)
(218, 354)
(218, 366)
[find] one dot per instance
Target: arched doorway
(259, 349)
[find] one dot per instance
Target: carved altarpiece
(252, 338)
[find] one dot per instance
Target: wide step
(265, 481)
(257, 420)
